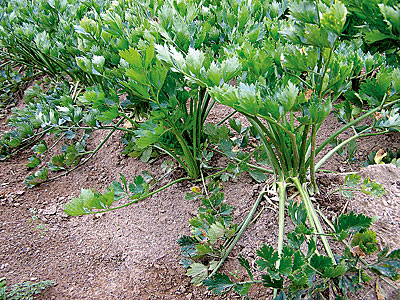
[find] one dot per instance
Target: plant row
(155, 70)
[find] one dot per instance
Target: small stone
(19, 193)
(97, 216)
(17, 204)
(50, 210)
(33, 278)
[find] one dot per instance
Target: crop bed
(193, 150)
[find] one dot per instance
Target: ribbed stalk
(312, 215)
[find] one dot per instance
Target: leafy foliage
(25, 290)
(93, 202)
(156, 69)
(309, 274)
(368, 186)
(212, 229)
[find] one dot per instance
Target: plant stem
(312, 215)
(271, 154)
(227, 117)
(92, 153)
(255, 167)
(352, 123)
(141, 198)
(312, 158)
(334, 150)
(302, 158)
(281, 219)
(245, 223)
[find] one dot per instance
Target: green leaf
(138, 187)
(281, 296)
(109, 115)
(226, 147)
(302, 11)
(40, 148)
(214, 74)
(352, 180)
(146, 155)
(231, 67)
(198, 272)
(366, 240)
(269, 281)
(202, 249)
(98, 63)
(336, 18)
(373, 188)
(85, 64)
(37, 178)
(194, 61)
(352, 223)
(34, 161)
(242, 289)
(139, 76)
(269, 257)
(320, 262)
(216, 231)
(149, 55)
(258, 176)
(335, 271)
(285, 265)
(133, 57)
(220, 283)
(298, 260)
(245, 264)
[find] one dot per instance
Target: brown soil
(132, 253)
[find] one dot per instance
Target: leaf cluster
(24, 290)
(211, 229)
(309, 274)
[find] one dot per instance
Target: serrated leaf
(352, 223)
(133, 57)
(226, 147)
(230, 68)
(373, 188)
(242, 289)
(194, 61)
(198, 272)
(298, 260)
(220, 283)
(245, 264)
(269, 257)
(268, 281)
(216, 231)
(352, 180)
(258, 176)
(320, 262)
(311, 247)
(34, 161)
(285, 265)
(109, 115)
(335, 271)
(39, 148)
(36, 178)
(138, 75)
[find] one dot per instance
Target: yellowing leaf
(381, 154)
(196, 190)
